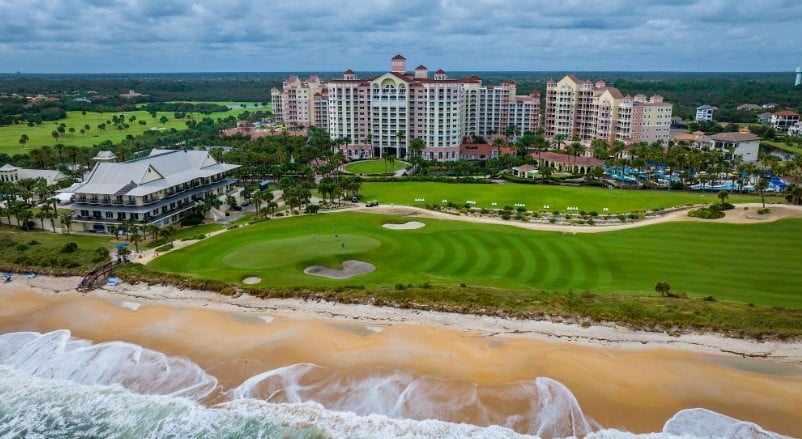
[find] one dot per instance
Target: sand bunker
(252, 280)
(405, 226)
(350, 269)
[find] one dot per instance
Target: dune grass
(374, 167)
(536, 196)
(754, 263)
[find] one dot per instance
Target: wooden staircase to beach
(90, 279)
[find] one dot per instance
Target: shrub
(505, 216)
(763, 211)
(591, 221)
(426, 285)
(192, 220)
(33, 242)
(709, 299)
(399, 286)
(593, 213)
(622, 218)
(520, 209)
(69, 247)
(706, 213)
(484, 211)
(552, 220)
(22, 247)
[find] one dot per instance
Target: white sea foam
(57, 355)
(700, 422)
(267, 319)
(542, 407)
(53, 385)
(374, 329)
(130, 305)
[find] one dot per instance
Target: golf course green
(536, 196)
(374, 167)
(754, 263)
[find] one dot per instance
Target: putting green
(298, 250)
(755, 263)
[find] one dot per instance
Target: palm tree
(417, 145)
(45, 212)
(135, 239)
(558, 140)
(498, 142)
(793, 193)
(761, 185)
(399, 138)
(67, 220)
(723, 195)
(574, 149)
(662, 288)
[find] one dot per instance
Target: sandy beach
(485, 326)
(621, 378)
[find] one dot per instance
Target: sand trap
(350, 269)
(405, 226)
(252, 280)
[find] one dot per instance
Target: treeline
(164, 87)
(685, 90)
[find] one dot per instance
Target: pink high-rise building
(385, 114)
(584, 110)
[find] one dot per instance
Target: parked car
(372, 203)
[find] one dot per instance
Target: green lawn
(374, 167)
(535, 196)
(41, 135)
(745, 263)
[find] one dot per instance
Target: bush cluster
(706, 213)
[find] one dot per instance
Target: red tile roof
(785, 113)
(399, 57)
(567, 159)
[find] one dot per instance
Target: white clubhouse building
(158, 189)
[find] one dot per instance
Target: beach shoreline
(596, 335)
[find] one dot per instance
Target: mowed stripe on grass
(755, 263)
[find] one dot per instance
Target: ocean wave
(58, 355)
(56, 386)
(542, 407)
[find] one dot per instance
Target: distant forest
(685, 90)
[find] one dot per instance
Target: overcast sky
(73, 36)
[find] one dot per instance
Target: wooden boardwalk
(102, 272)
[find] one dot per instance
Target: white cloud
(304, 35)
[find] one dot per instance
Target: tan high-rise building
(584, 110)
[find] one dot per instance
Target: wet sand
(632, 385)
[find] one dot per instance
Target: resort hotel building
(158, 189)
(381, 115)
(578, 109)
